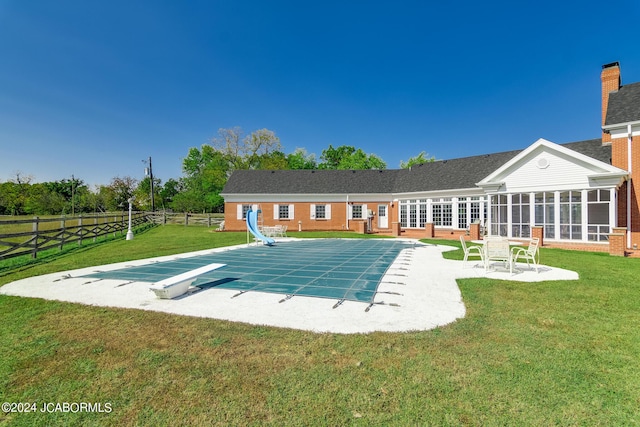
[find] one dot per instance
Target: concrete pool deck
(419, 292)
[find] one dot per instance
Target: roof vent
(610, 65)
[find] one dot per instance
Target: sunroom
(570, 195)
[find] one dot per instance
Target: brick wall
(302, 216)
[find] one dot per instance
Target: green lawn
(551, 353)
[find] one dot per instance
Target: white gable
(546, 166)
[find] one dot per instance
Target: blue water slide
(252, 226)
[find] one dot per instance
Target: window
(598, 226)
(242, 209)
(423, 214)
(499, 220)
(283, 212)
(442, 211)
(545, 213)
(403, 214)
(245, 209)
(520, 215)
(320, 211)
(356, 212)
(571, 215)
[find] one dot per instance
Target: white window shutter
(327, 211)
(312, 210)
(365, 212)
(276, 211)
(291, 215)
(239, 211)
(254, 208)
(349, 212)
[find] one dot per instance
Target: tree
(299, 159)
(115, 196)
(143, 192)
(247, 152)
(417, 160)
(205, 174)
(347, 157)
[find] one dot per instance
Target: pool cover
(343, 269)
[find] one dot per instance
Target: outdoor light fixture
(130, 232)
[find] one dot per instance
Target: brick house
(573, 193)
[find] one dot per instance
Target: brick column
(474, 231)
(617, 244)
(538, 231)
(618, 241)
(429, 230)
(361, 227)
(396, 229)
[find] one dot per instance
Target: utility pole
(73, 207)
(153, 202)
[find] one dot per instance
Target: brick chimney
(610, 78)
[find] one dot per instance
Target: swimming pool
(342, 269)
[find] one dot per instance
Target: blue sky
(92, 88)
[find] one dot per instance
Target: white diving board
(175, 286)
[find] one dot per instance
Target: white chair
(529, 253)
(220, 227)
(475, 251)
(497, 250)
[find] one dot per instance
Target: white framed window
(357, 211)
(598, 222)
(442, 212)
(320, 211)
(521, 215)
(571, 215)
(242, 210)
(545, 213)
(499, 219)
(283, 212)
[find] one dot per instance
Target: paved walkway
(419, 292)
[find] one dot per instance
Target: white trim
(493, 181)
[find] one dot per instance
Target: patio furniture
(475, 251)
(281, 230)
(220, 227)
(529, 253)
(497, 250)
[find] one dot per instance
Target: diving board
(175, 286)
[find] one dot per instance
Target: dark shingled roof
(311, 181)
(439, 175)
(624, 105)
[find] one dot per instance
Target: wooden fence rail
(30, 236)
(208, 220)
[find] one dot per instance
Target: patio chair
(529, 253)
(220, 227)
(497, 250)
(475, 251)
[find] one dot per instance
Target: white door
(383, 221)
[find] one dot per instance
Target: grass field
(551, 353)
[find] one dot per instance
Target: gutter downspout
(347, 210)
(629, 165)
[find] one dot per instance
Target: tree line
(205, 172)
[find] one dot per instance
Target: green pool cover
(343, 269)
